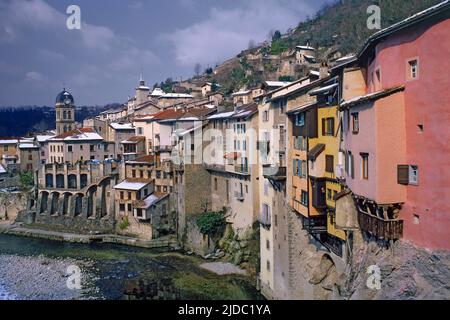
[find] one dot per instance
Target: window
(329, 194)
(266, 218)
(140, 131)
(329, 164)
(139, 213)
(121, 195)
(133, 173)
(267, 244)
(365, 166)
(351, 165)
(129, 195)
(413, 69)
(215, 184)
(5, 148)
(328, 127)
(304, 199)
(30, 157)
(408, 174)
(355, 122)
(268, 265)
(122, 207)
(300, 119)
(129, 207)
(70, 149)
(266, 116)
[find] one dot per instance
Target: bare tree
(197, 69)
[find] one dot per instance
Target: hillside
(336, 30)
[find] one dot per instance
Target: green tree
(27, 179)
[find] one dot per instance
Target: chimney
(323, 71)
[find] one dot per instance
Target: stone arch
(54, 198)
(69, 115)
(78, 204)
(64, 117)
(44, 202)
(49, 181)
(65, 128)
(91, 200)
(72, 181)
(65, 205)
(60, 181)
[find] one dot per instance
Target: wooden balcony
(380, 228)
(274, 172)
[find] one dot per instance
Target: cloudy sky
(101, 62)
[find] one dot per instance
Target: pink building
(396, 120)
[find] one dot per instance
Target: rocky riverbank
(42, 278)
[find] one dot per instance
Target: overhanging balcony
(163, 148)
(274, 172)
(380, 228)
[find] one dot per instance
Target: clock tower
(65, 112)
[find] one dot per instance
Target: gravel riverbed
(42, 278)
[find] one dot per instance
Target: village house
(79, 145)
(395, 102)
(28, 155)
(118, 132)
(233, 164)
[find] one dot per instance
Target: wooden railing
(380, 228)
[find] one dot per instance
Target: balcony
(239, 195)
(380, 228)
(274, 172)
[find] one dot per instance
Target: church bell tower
(65, 112)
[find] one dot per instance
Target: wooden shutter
(403, 174)
(332, 126)
(352, 166)
(323, 126)
(329, 164)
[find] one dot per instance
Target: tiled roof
(143, 160)
(78, 135)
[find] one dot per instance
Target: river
(36, 269)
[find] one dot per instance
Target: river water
(37, 269)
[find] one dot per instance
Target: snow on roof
(323, 89)
(157, 92)
(241, 93)
(131, 185)
(2, 169)
(176, 96)
(83, 134)
(314, 73)
(150, 200)
(222, 115)
(351, 56)
(27, 145)
(121, 126)
(43, 138)
(277, 83)
(9, 141)
(306, 48)
(309, 57)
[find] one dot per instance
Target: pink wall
(427, 102)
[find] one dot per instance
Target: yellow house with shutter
(323, 168)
